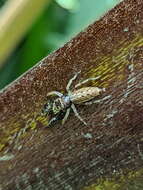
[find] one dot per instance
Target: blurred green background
(59, 22)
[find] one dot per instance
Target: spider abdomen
(84, 94)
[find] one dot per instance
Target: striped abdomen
(84, 94)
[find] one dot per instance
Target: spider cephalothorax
(61, 106)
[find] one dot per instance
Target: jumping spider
(61, 106)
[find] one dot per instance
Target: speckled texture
(75, 156)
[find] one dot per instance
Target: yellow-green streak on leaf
(133, 180)
(119, 57)
(14, 130)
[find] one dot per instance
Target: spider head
(57, 106)
(61, 104)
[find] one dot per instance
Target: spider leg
(51, 121)
(71, 81)
(77, 114)
(86, 80)
(55, 93)
(56, 118)
(66, 116)
(97, 101)
(92, 102)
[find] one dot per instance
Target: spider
(61, 106)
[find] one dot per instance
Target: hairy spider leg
(66, 115)
(77, 114)
(85, 81)
(55, 93)
(97, 101)
(71, 81)
(92, 102)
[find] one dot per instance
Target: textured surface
(74, 156)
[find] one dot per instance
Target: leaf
(105, 154)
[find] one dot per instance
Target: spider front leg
(57, 117)
(55, 93)
(54, 119)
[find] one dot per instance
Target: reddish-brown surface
(74, 156)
